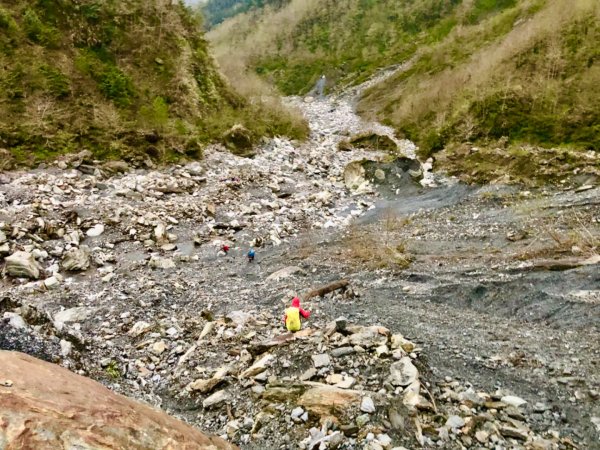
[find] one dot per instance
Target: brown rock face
(46, 407)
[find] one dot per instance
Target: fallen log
(323, 290)
(565, 264)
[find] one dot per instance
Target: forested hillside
(480, 70)
(216, 11)
(115, 78)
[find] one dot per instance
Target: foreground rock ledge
(44, 406)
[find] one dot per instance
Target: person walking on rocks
(251, 255)
(292, 315)
(225, 249)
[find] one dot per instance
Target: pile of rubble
(331, 385)
(339, 385)
(75, 217)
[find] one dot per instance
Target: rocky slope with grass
(491, 88)
(123, 80)
(443, 315)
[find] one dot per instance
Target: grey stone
(77, 314)
(77, 259)
(215, 399)
(403, 372)
(321, 360)
(513, 400)
(363, 420)
(22, 265)
(454, 422)
(342, 351)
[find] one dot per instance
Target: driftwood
(323, 290)
(565, 264)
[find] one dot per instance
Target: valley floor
(498, 286)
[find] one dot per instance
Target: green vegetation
(124, 79)
(216, 11)
(113, 371)
(492, 73)
(528, 74)
(347, 40)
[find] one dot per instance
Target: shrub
(39, 32)
(112, 82)
(56, 82)
(7, 23)
(115, 85)
(156, 115)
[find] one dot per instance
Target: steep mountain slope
(117, 78)
(496, 73)
(525, 75)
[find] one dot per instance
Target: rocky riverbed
(470, 317)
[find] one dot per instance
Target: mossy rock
(373, 141)
(239, 141)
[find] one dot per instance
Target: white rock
(367, 405)
(156, 262)
(215, 399)
(78, 314)
(51, 282)
(321, 360)
(65, 348)
(297, 413)
(284, 273)
(95, 231)
(382, 350)
(15, 321)
(160, 233)
(139, 328)
(513, 401)
(158, 348)
(258, 367)
(384, 440)
(77, 259)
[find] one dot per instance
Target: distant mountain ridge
(216, 11)
(496, 73)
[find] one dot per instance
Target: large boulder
(388, 175)
(371, 141)
(22, 265)
(330, 401)
(47, 407)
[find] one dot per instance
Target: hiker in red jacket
(225, 249)
(292, 315)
